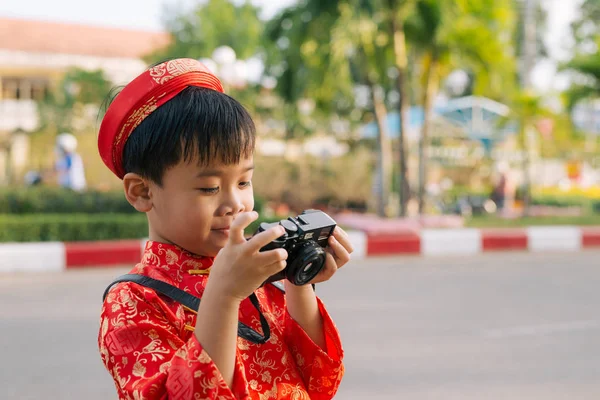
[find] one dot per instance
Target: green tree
(540, 16)
(456, 34)
(398, 11)
(585, 63)
(360, 46)
(527, 109)
(74, 102)
(586, 28)
(325, 51)
(587, 80)
(198, 32)
(296, 54)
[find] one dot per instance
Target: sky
(135, 14)
(147, 14)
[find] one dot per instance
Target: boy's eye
(245, 184)
(209, 190)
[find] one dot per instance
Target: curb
(58, 256)
(87, 254)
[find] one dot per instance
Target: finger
(271, 256)
(328, 270)
(275, 267)
(340, 253)
(241, 222)
(263, 238)
(340, 232)
(344, 241)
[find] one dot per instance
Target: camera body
(305, 240)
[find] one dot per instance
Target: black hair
(198, 122)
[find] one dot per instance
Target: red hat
(150, 90)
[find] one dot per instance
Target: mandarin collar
(173, 259)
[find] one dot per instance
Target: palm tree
(587, 68)
(527, 109)
(452, 34)
(198, 32)
(585, 64)
(298, 53)
(360, 44)
(342, 45)
(398, 11)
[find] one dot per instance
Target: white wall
(118, 70)
(15, 114)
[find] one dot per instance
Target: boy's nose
(236, 210)
(234, 206)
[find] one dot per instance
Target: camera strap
(193, 302)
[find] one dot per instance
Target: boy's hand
(301, 301)
(338, 254)
(239, 268)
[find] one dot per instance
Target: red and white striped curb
(57, 256)
(441, 242)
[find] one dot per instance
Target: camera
(305, 239)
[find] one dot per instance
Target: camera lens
(307, 267)
(306, 262)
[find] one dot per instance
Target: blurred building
(34, 55)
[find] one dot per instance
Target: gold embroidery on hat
(164, 72)
(134, 120)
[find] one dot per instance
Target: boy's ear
(137, 192)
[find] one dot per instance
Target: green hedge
(560, 201)
(54, 214)
(44, 200)
(78, 227)
(71, 227)
(491, 221)
(588, 205)
(62, 201)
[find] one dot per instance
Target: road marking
(542, 329)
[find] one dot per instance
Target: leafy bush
(587, 204)
(79, 227)
(45, 200)
(539, 198)
(490, 221)
(560, 201)
(71, 227)
(340, 181)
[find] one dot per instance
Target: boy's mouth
(222, 230)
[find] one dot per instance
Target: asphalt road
(496, 326)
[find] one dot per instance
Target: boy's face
(196, 205)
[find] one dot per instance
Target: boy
(184, 151)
